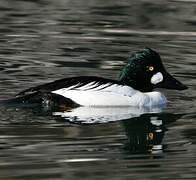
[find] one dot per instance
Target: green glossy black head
(145, 72)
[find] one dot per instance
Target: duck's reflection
(92, 115)
(144, 127)
(145, 133)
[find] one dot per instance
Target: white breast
(110, 95)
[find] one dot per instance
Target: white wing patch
(93, 94)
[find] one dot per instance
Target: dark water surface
(42, 40)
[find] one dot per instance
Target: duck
(143, 73)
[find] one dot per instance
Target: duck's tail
(39, 98)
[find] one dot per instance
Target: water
(41, 41)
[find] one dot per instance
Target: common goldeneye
(143, 73)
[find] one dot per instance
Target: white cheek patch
(157, 78)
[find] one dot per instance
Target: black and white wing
(89, 82)
(86, 91)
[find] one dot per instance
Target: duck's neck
(134, 82)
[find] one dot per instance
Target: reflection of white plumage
(89, 115)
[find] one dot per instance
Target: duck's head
(145, 72)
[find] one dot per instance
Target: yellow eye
(150, 68)
(150, 136)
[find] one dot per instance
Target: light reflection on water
(44, 40)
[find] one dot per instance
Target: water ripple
(41, 41)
